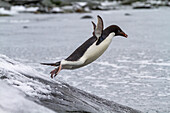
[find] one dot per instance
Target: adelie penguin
(91, 49)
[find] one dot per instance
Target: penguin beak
(123, 34)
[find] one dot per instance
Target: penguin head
(117, 30)
(98, 29)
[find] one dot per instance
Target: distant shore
(13, 7)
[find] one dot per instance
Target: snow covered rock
(4, 12)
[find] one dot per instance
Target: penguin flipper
(51, 64)
(94, 27)
(98, 30)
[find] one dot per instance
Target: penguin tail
(51, 64)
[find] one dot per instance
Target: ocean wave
(50, 93)
(20, 76)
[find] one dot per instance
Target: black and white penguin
(91, 49)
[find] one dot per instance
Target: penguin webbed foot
(55, 71)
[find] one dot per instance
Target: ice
(14, 101)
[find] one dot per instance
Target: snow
(31, 9)
(14, 70)
(16, 67)
(67, 7)
(23, 9)
(57, 10)
(17, 9)
(82, 4)
(14, 101)
(107, 3)
(7, 12)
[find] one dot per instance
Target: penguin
(91, 49)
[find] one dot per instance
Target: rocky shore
(12, 7)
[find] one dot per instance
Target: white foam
(14, 101)
(90, 77)
(109, 64)
(101, 86)
(19, 21)
(120, 82)
(146, 62)
(146, 76)
(135, 83)
(17, 74)
(18, 68)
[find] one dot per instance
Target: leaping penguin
(90, 50)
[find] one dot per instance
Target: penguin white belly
(95, 51)
(91, 54)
